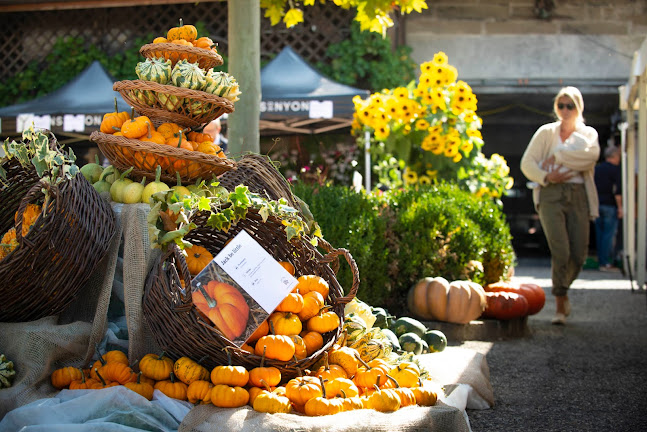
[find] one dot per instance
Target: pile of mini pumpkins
(186, 35)
(344, 382)
(9, 241)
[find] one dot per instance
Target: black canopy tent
(89, 94)
(296, 98)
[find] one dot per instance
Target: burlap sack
(38, 348)
(208, 418)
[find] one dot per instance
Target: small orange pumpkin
(198, 257)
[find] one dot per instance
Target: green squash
(6, 372)
(411, 342)
(222, 84)
(392, 339)
(156, 70)
(436, 340)
(383, 319)
(407, 324)
(188, 75)
(354, 326)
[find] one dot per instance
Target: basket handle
(334, 255)
(183, 271)
(30, 196)
(329, 249)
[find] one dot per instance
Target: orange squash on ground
(436, 299)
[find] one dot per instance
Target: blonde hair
(573, 94)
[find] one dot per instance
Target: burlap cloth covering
(39, 347)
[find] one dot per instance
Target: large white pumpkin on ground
(438, 300)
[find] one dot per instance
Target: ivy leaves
(169, 217)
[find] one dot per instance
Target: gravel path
(590, 375)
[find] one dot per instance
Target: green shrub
(352, 221)
(400, 237)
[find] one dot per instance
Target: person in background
(609, 185)
(214, 129)
(560, 159)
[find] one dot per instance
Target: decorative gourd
(322, 405)
(411, 342)
(285, 323)
(221, 84)
(199, 392)
(188, 370)
(188, 75)
(203, 42)
(183, 31)
(142, 388)
(303, 388)
(405, 394)
(156, 70)
(62, 377)
(313, 340)
(277, 347)
(345, 357)
(329, 372)
(199, 136)
(312, 304)
(293, 302)
(270, 402)
(157, 367)
(100, 382)
(225, 396)
(169, 130)
(83, 384)
(262, 374)
(436, 340)
(341, 387)
(425, 394)
(226, 307)
(324, 321)
(118, 372)
(229, 375)
(7, 373)
(172, 387)
(136, 127)
(504, 305)
(436, 299)
(386, 400)
(406, 373)
(197, 258)
(307, 283)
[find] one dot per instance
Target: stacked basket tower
(178, 92)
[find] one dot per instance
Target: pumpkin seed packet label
(240, 287)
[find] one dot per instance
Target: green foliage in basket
(52, 165)
(398, 237)
(169, 217)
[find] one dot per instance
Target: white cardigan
(580, 153)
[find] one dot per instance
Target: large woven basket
(181, 331)
(144, 157)
(188, 107)
(205, 58)
(44, 273)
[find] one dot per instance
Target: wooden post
(641, 255)
(244, 36)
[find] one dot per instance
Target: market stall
(204, 294)
(73, 111)
(633, 100)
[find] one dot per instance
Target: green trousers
(564, 216)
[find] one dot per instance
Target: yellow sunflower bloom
(401, 92)
(426, 67)
(424, 180)
(410, 177)
(457, 158)
(467, 147)
(422, 124)
(382, 132)
(432, 174)
(440, 58)
(451, 151)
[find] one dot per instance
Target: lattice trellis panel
(31, 35)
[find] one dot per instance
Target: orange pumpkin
(225, 305)
(186, 32)
(309, 283)
(198, 257)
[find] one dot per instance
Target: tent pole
(642, 180)
(367, 160)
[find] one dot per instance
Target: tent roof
(90, 92)
(289, 85)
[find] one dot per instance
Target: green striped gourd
(156, 70)
(6, 372)
(188, 75)
(222, 84)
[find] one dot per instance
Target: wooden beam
(87, 4)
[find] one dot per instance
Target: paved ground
(590, 375)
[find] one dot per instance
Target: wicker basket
(144, 157)
(175, 104)
(205, 58)
(181, 331)
(43, 275)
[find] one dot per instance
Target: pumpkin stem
(96, 371)
(179, 141)
(266, 385)
(116, 109)
(263, 356)
(82, 376)
(210, 301)
(132, 112)
(323, 387)
(357, 356)
(395, 381)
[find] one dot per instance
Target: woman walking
(560, 159)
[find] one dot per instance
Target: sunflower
(409, 176)
(440, 58)
(422, 124)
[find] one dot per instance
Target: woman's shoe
(567, 307)
(559, 319)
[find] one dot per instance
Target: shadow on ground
(589, 375)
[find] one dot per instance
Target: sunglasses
(569, 106)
